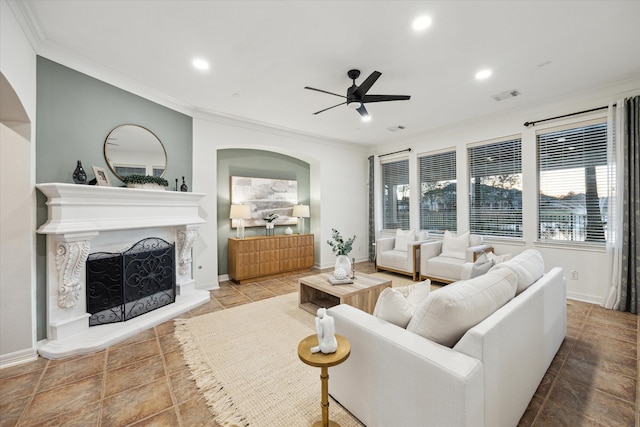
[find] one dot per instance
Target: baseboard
(585, 298)
(18, 357)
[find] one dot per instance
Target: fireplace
(121, 286)
(84, 220)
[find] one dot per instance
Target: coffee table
(316, 292)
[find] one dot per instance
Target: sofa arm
(430, 249)
(473, 252)
(385, 244)
(395, 377)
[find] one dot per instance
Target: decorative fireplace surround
(83, 219)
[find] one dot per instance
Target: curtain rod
(395, 152)
(527, 124)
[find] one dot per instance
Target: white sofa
(395, 377)
(449, 260)
(401, 254)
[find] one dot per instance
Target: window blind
(438, 192)
(395, 197)
(495, 171)
(572, 183)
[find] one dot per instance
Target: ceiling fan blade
(324, 91)
(318, 112)
(363, 111)
(383, 98)
(366, 85)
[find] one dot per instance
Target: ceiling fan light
(354, 104)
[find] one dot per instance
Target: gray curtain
(630, 281)
(372, 222)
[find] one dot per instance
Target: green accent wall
(255, 164)
(75, 113)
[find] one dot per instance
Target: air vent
(505, 95)
(395, 128)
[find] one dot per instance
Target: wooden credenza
(261, 257)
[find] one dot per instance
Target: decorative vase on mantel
(342, 267)
(79, 175)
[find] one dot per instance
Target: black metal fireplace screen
(121, 286)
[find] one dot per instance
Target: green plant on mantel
(145, 179)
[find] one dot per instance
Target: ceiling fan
(357, 95)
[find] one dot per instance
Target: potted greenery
(145, 181)
(270, 225)
(341, 248)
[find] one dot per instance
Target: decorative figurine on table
(326, 329)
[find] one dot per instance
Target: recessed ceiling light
(200, 64)
(483, 74)
(421, 23)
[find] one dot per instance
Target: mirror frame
(113, 168)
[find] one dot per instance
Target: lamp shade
(300, 211)
(240, 212)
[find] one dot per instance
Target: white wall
(593, 281)
(17, 200)
(338, 193)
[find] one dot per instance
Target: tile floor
(144, 381)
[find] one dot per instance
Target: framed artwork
(265, 196)
(101, 176)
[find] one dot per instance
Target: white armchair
(451, 259)
(400, 254)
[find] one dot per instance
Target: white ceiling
(263, 53)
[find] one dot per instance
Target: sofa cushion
(395, 259)
(444, 268)
(397, 305)
(448, 313)
(403, 238)
(528, 267)
(455, 246)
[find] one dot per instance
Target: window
(395, 194)
(130, 170)
(438, 192)
(495, 204)
(572, 183)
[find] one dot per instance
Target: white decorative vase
(270, 228)
(342, 267)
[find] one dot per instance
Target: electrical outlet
(573, 275)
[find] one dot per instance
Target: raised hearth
(86, 219)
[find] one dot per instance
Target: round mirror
(134, 150)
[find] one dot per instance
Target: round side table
(323, 361)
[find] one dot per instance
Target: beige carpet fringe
(214, 393)
(245, 361)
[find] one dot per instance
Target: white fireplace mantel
(83, 219)
(81, 208)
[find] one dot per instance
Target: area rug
(245, 361)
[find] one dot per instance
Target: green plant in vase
(341, 248)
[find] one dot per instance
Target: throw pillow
(445, 316)
(528, 268)
(422, 235)
(403, 238)
(497, 259)
(455, 246)
(482, 266)
(396, 305)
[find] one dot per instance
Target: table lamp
(301, 212)
(239, 213)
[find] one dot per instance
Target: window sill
(587, 247)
